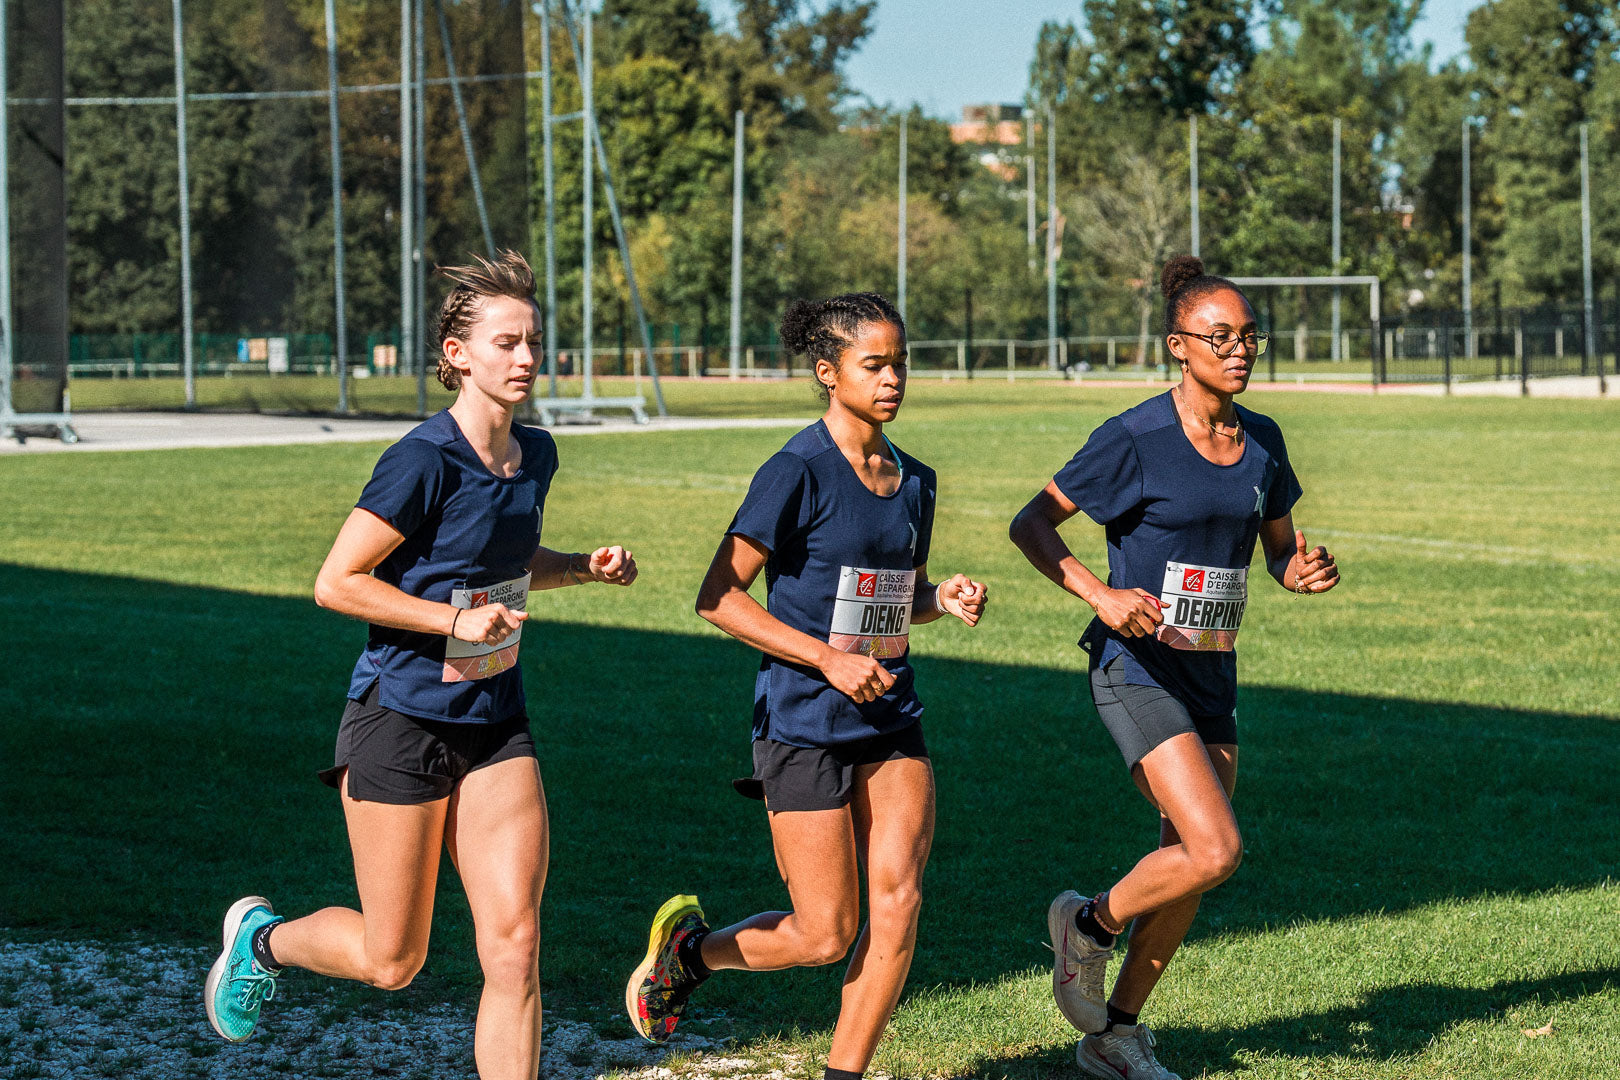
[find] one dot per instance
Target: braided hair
(823, 329)
(508, 274)
(1184, 283)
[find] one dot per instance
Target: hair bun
(798, 325)
(1178, 271)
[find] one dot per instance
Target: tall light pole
(182, 159)
(549, 182)
(901, 256)
(1590, 348)
(1337, 202)
(736, 245)
(1467, 237)
(1051, 239)
(1029, 177)
(341, 350)
(588, 210)
(1192, 154)
(408, 355)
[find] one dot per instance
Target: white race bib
(1203, 606)
(872, 611)
(466, 660)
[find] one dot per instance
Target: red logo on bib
(866, 585)
(479, 599)
(1192, 580)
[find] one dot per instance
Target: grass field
(1429, 764)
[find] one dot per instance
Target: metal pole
(902, 249)
(1588, 351)
(1468, 237)
(5, 217)
(736, 245)
(588, 208)
(185, 207)
(1051, 239)
(337, 205)
(544, 7)
(419, 201)
(466, 135)
(1334, 352)
(618, 235)
(1029, 176)
(1192, 147)
(408, 321)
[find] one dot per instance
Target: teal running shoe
(237, 985)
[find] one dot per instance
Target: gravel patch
(84, 1010)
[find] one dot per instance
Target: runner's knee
(827, 941)
(1216, 858)
(510, 954)
(393, 972)
(895, 904)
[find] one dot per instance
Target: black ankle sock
(840, 1074)
(1118, 1017)
(1085, 920)
(261, 947)
(690, 953)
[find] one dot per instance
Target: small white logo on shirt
(1259, 501)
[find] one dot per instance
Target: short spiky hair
(508, 274)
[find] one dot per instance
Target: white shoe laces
(1137, 1050)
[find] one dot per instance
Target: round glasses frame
(1225, 347)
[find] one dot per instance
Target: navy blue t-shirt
(469, 538)
(842, 568)
(1182, 529)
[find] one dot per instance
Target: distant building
(990, 125)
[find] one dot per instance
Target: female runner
(439, 556)
(840, 521)
(1183, 484)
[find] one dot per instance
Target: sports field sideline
(1427, 797)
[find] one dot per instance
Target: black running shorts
(1141, 717)
(399, 759)
(821, 778)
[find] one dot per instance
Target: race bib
(464, 660)
(872, 611)
(1203, 606)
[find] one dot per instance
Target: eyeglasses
(1225, 342)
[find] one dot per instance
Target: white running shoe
(1078, 966)
(1122, 1053)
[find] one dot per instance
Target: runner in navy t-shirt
(439, 556)
(1183, 484)
(840, 522)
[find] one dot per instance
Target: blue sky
(943, 54)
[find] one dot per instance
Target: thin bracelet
(453, 619)
(573, 573)
(938, 606)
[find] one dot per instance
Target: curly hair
(823, 329)
(508, 274)
(1183, 283)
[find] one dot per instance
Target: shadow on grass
(161, 743)
(1380, 1026)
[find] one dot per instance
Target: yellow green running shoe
(658, 989)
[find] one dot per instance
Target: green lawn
(1429, 754)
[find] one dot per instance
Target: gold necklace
(1234, 435)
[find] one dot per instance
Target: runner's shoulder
(1154, 414)
(910, 466)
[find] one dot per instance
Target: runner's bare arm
(724, 601)
(957, 595)
(345, 585)
(1132, 612)
(612, 565)
(1295, 567)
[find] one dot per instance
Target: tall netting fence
(38, 333)
(430, 125)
